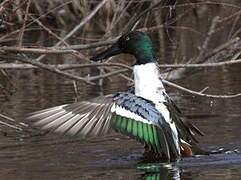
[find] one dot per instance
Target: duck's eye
(127, 38)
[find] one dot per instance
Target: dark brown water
(53, 156)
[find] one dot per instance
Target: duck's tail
(192, 150)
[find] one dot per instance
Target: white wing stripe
(128, 114)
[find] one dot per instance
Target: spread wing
(86, 118)
(126, 113)
(186, 129)
(139, 118)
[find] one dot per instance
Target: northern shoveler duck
(149, 115)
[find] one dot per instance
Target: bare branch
(57, 50)
(54, 70)
(83, 22)
(57, 69)
(204, 48)
(21, 33)
(222, 47)
(102, 76)
(36, 50)
(77, 66)
(204, 65)
(199, 93)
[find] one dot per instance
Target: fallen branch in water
(77, 66)
(57, 69)
(54, 70)
(88, 80)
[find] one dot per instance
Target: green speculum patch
(145, 133)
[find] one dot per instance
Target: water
(50, 156)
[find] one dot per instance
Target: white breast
(147, 82)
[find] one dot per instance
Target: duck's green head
(135, 43)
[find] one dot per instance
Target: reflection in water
(189, 168)
(160, 171)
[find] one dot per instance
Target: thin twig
(64, 50)
(20, 40)
(132, 24)
(102, 76)
(204, 47)
(222, 47)
(37, 50)
(48, 30)
(204, 65)
(199, 93)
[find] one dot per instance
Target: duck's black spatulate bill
(113, 50)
